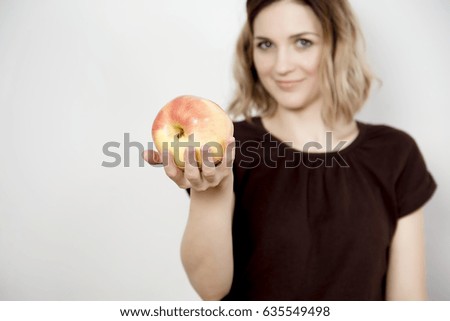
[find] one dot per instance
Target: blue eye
(303, 43)
(264, 44)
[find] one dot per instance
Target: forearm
(406, 276)
(206, 248)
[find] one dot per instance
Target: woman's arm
(206, 249)
(406, 278)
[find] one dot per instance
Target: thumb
(152, 157)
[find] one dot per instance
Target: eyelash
(261, 44)
(308, 43)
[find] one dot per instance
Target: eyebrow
(293, 36)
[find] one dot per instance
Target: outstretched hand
(200, 179)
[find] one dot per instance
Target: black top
(311, 226)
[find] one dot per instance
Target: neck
(301, 126)
(303, 123)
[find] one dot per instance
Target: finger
(229, 154)
(208, 167)
(191, 170)
(152, 157)
(174, 173)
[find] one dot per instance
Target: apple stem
(180, 132)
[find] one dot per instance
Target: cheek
(309, 64)
(313, 62)
(262, 63)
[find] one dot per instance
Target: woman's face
(287, 46)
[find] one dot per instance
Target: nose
(284, 61)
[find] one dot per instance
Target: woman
(317, 205)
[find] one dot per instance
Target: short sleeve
(415, 185)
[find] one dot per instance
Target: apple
(192, 122)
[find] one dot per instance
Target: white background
(75, 75)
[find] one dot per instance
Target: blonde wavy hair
(345, 76)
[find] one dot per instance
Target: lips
(287, 84)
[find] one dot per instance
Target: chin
(290, 103)
(293, 101)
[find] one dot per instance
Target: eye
(264, 44)
(303, 43)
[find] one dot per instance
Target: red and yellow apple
(191, 122)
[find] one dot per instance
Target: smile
(287, 84)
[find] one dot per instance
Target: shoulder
(249, 135)
(382, 132)
(387, 151)
(245, 130)
(387, 139)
